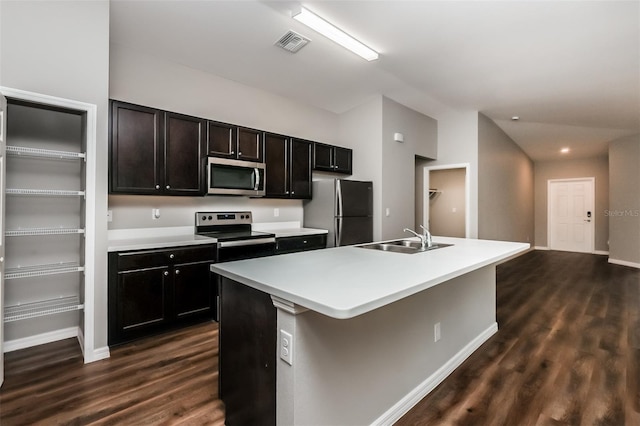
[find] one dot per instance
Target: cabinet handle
(168, 187)
(304, 242)
(157, 186)
(239, 153)
(286, 192)
(233, 152)
(177, 271)
(166, 273)
(171, 256)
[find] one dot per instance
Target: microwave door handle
(257, 184)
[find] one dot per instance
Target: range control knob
(210, 217)
(204, 218)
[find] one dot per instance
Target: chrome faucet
(425, 239)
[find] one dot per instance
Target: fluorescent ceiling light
(318, 24)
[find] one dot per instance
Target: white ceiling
(569, 69)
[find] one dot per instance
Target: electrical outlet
(286, 347)
(276, 212)
(436, 332)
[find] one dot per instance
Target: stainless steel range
(234, 236)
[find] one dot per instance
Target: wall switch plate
(109, 215)
(436, 332)
(276, 212)
(155, 214)
(387, 212)
(286, 347)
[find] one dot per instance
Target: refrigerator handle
(338, 198)
(338, 231)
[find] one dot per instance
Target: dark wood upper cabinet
(288, 171)
(154, 152)
(238, 143)
(250, 145)
(136, 141)
(300, 168)
(183, 153)
(221, 141)
(329, 158)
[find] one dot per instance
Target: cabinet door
(249, 145)
(142, 296)
(342, 160)
(300, 169)
(183, 155)
(221, 141)
(136, 141)
(322, 157)
(193, 291)
(276, 159)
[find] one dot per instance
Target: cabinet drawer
(154, 258)
(306, 242)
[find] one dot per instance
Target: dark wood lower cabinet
(248, 338)
(151, 291)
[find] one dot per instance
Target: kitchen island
(371, 332)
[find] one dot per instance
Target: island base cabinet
(248, 338)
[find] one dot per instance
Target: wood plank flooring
(168, 379)
(567, 353)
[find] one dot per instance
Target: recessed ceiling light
(515, 118)
(328, 30)
(565, 150)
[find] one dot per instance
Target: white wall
(361, 127)
(151, 81)
(457, 144)
(624, 201)
(398, 159)
(505, 186)
(61, 48)
(598, 168)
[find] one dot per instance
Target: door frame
(86, 333)
(592, 242)
(467, 193)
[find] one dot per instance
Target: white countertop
(151, 238)
(344, 282)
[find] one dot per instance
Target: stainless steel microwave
(234, 177)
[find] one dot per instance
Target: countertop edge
(374, 304)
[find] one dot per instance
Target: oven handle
(255, 241)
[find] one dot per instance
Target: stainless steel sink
(403, 246)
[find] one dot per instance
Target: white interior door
(3, 135)
(571, 215)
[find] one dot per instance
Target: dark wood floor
(567, 353)
(169, 379)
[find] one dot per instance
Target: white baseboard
(601, 252)
(541, 248)
(97, 355)
(394, 413)
(40, 339)
(624, 263)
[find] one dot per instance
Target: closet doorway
(446, 200)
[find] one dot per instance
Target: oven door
(246, 249)
(233, 177)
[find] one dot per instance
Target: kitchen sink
(403, 246)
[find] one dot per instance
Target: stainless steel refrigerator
(343, 207)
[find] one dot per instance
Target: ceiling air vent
(292, 41)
